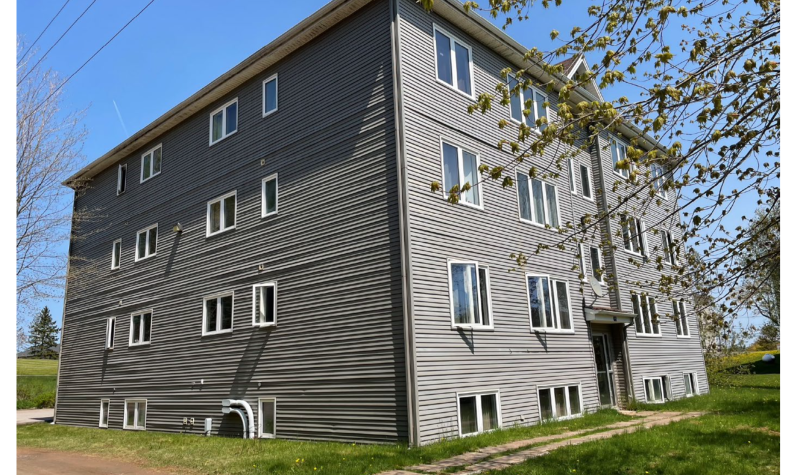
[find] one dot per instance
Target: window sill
(145, 257)
(484, 328)
(634, 253)
(266, 436)
(265, 114)
(648, 335)
(590, 200)
(454, 88)
(221, 231)
(114, 268)
(149, 178)
(133, 428)
(211, 144)
(265, 325)
(146, 343)
(565, 418)
(534, 223)
(221, 332)
(534, 128)
(553, 331)
(682, 337)
(269, 215)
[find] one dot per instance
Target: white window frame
(490, 317)
(264, 111)
(668, 251)
(553, 305)
(602, 278)
(105, 412)
(620, 147)
(116, 255)
(552, 390)
(109, 335)
(657, 175)
(150, 152)
(453, 63)
(640, 316)
(461, 181)
(573, 188)
(532, 221)
(682, 316)
(135, 426)
(146, 232)
(588, 177)
(660, 380)
(261, 434)
(696, 386)
(256, 323)
(221, 200)
(264, 182)
(218, 297)
(225, 135)
(534, 104)
(636, 225)
(140, 314)
(477, 395)
(120, 181)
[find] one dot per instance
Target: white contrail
(120, 118)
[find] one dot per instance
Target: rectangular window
(537, 201)
(478, 413)
(470, 297)
(270, 86)
(141, 323)
(528, 104)
(151, 163)
(560, 402)
(135, 414)
(681, 321)
(221, 214)
(633, 235)
(104, 406)
(586, 183)
(146, 242)
(461, 167)
(453, 61)
(223, 121)
(646, 322)
(597, 263)
(122, 179)
(269, 196)
(111, 324)
(218, 314)
(690, 384)
(618, 155)
(668, 247)
(657, 175)
(654, 390)
(267, 410)
(549, 304)
(571, 174)
(265, 304)
(116, 251)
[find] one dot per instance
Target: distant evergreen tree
(43, 335)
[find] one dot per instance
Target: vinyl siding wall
(335, 360)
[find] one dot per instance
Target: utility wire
(54, 44)
(40, 34)
(87, 61)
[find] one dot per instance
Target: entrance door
(605, 375)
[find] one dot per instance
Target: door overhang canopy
(608, 315)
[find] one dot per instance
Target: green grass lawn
(36, 383)
(32, 367)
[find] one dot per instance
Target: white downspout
(233, 403)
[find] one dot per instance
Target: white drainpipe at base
(236, 405)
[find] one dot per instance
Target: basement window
(690, 384)
(267, 410)
(223, 121)
(104, 406)
(265, 304)
(478, 413)
(221, 214)
(560, 402)
(135, 414)
(654, 390)
(218, 314)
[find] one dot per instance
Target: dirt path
(46, 462)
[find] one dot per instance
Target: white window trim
(658, 183)
(639, 302)
(219, 317)
(221, 200)
(534, 109)
(553, 307)
(693, 376)
(477, 395)
(444, 140)
(571, 177)
(615, 142)
(264, 111)
(119, 178)
(135, 414)
(274, 285)
(146, 232)
(591, 185)
(141, 328)
(472, 326)
(602, 278)
(264, 181)
(553, 398)
(222, 108)
(142, 179)
(682, 307)
(109, 339)
(261, 434)
(544, 197)
(104, 413)
(663, 389)
(114, 253)
(642, 243)
(668, 251)
(453, 64)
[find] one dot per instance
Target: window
(218, 314)
(618, 154)
(690, 384)
(453, 62)
(269, 196)
(537, 201)
(122, 178)
(104, 405)
(223, 121)
(135, 414)
(657, 175)
(151, 163)
(571, 166)
(586, 183)
(140, 328)
(265, 304)
(681, 322)
(470, 299)
(528, 105)
(549, 304)
(146, 242)
(111, 324)
(646, 315)
(461, 167)
(221, 214)
(266, 417)
(478, 413)
(116, 250)
(270, 95)
(560, 402)
(597, 263)
(668, 247)
(654, 390)
(633, 236)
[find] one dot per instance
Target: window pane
(152, 240)
(469, 415)
(271, 95)
(538, 202)
(146, 167)
(117, 250)
(563, 305)
(561, 402)
(471, 175)
(462, 69)
(121, 181)
(654, 315)
(622, 155)
(484, 279)
(648, 323)
(465, 293)
(639, 237)
(214, 225)
(575, 400)
(516, 103)
(536, 304)
(658, 392)
(684, 319)
(444, 67)
(271, 195)
(104, 418)
(216, 127)
(597, 266)
(571, 172)
(230, 118)
(541, 110)
(268, 417)
(614, 155)
(142, 412)
(648, 390)
(546, 405)
(211, 315)
(230, 211)
(524, 196)
(111, 328)
(489, 410)
(687, 382)
(450, 158)
(637, 311)
(130, 413)
(677, 315)
(227, 312)
(141, 242)
(626, 234)
(266, 304)
(585, 184)
(146, 322)
(552, 205)
(157, 160)
(527, 96)
(136, 323)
